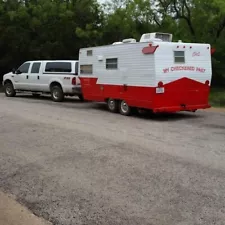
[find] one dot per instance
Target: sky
(101, 1)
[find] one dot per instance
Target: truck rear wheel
(112, 105)
(124, 108)
(57, 94)
(9, 90)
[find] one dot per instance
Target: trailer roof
(154, 43)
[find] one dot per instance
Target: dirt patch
(12, 213)
(215, 109)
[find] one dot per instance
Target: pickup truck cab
(56, 77)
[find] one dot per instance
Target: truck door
(35, 78)
(21, 77)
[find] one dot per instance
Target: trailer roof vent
(129, 40)
(148, 37)
(117, 43)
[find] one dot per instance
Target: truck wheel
(9, 90)
(112, 105)
(124, 108)
(57, 94)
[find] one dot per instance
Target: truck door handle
(27, 76)
(38, 77)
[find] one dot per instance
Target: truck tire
(112, 105)
(124, 108)
(57, 94)
(9, 90)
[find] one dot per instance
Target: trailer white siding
(134, 67)
(197, 64)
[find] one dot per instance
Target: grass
(217, 97)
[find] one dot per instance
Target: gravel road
(76, 163)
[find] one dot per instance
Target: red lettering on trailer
(195, 54)
(184, 68)
(201, 70)
(166, 70)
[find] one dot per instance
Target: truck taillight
(74, 81)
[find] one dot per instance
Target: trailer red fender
(155, 74)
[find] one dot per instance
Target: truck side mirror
(18, 72)
(13, 70)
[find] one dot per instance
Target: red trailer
(155, 74)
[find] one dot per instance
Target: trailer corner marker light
(213, 51)
(160, 84)
(207, 82)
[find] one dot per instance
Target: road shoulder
(12, 213)
(216, 109)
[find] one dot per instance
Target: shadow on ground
(48, 98)
(102, 107)
(151, 116)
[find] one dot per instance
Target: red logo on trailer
(150, 49)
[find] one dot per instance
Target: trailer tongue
(155, 74)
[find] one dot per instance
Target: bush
(217, 97)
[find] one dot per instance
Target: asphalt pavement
(76, 163)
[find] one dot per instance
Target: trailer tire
(124, 108)
(112, 105)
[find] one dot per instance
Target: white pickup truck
(56, 77)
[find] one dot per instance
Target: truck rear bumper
(76, 90)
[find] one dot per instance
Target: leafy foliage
(56, 29)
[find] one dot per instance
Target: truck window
(111, 64)
(179, 57)
(76, 68)
(35, 67)
(24, 68)
(62, 67)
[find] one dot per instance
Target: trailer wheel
(112, 105)
(124, 108)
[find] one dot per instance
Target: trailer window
(86, 69)
(179, 57)
(89, 52)
(111, 64)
